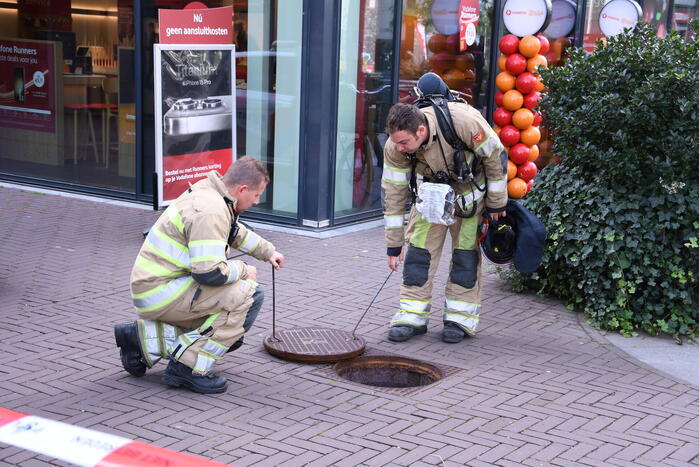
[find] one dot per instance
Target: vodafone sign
(562, 19)
(526, 17)
(445, 16)
(618, 15)
(469, 13)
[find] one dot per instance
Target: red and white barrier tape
(82, 446)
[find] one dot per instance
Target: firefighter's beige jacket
(188, 246)
(473, 130)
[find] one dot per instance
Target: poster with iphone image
(19, 84)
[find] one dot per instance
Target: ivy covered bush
(622, 207)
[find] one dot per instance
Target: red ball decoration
(532, 99)
(441, 62)
(527, 171)
(545, 46)
(452, 43)
(526, 83)
(509, 136)
(519, 153)
(498, 98)
(509, 44)
(502, 117)
(537, 118)
(516, 63)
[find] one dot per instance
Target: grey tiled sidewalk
(538, 386)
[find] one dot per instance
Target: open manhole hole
(388, 372)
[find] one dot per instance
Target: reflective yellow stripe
(252, 240)
(462, 307)
(395, 175)
(168, 249)
(488, 146)
(207, 250)
(154, 268)
(409, 318)
(234, 271)
(208, 321)
(393, 222)
(415, 306)
(174, 216)
(162, 296)
(497, 186)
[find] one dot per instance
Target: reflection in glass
(364, 97)
(267, 35)
(73, 114)
(268, 87)
(430, 42)
(682, 12)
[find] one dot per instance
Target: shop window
(364, 97)
(68, 109)
(268, 79)
(430, 41)
(267, 35)
(683, 11)
(656, 13)
(561, 34)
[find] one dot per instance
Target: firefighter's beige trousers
(462, 294)
(197, 329)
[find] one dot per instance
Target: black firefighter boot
(452, 333)
(178, 374)
(132, 360)
(402, 333)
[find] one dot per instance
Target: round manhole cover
(389, 372)
(314, 345)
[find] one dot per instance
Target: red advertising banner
(181, 171)
(469, 14)
(195, 114)
(193, 26)
(27, 94)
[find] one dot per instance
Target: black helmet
(498, 239)
(432, 84)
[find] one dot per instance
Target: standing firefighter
(194, 304)
(417, 153)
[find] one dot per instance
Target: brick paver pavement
(538, 386)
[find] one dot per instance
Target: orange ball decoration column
(519, 86)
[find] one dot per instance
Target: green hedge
(622, 208)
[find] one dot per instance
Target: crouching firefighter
(194, 304)
(452, 178)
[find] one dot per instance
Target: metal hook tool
(372, 302)
(274, 307)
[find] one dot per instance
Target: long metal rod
(371, 303)
(274, 307)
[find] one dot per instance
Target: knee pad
(464, 268)
(259, 294)
(417, 266)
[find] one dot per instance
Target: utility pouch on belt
(435, 203)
